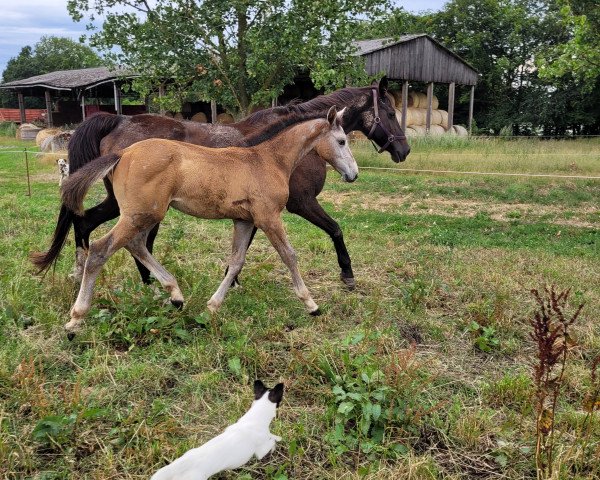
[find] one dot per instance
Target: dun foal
(249, 185)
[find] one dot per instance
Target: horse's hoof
(349, 281)
(70, 336)
(178, 304)
(316, 313)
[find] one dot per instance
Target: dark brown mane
(322, 103)
(274, 128)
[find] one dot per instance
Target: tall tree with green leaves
(579, 55)
(240, 52)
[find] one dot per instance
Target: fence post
(28, 179)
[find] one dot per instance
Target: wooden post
(429, 104)
(161, 93)
(117, 98)
(213, 111)
(471, 103)
(404, 105)
(48, 108)
(22, 108)
(451, 89)
(82, 107)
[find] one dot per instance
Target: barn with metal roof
(74, 86)
(419, 58)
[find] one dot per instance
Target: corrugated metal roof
(71, 79)
(368, 46)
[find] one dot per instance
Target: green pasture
(422, 372)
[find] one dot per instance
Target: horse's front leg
(242, 231)
(307, 206)
(276, 234)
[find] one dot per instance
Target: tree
(240, 52)
(579, 54)
(48, 55)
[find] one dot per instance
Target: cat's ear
(259, 389)
(276, 394)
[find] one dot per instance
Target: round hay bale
(199, 117)
(422, 100)
(27, 131)
(224, 118)
(436, 130)
(435, 103)
(408, 117)
(45, 133)
(421, 115)
(461, 131)
(419, 129)
(436, 117)
(413, 99)
(444, 115)
(397, 94)
(410, 132)
(178, 116)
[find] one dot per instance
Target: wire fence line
(461, 172)
(25, 152)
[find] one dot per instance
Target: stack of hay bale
(416, 115)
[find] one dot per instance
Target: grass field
(422, 372)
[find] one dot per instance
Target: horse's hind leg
(242, 232)
(309, 208)
(278, 238)
(99, 252)
(84, 225)
(235, 280)
(144, 272)
(138, 248)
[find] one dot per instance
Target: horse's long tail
(76, 186)
(43, 260)
(84, 145)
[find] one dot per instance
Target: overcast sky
(24, 22)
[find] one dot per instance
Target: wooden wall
(421, 60)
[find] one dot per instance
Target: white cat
(235, 446)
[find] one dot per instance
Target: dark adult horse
(368, 109)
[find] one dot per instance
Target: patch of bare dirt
(503, 212)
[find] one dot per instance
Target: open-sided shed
(419, 58)
(99, 82)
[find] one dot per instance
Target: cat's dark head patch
(259, 389)
(276, 394)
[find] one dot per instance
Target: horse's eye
(391, 114)
(342, 142)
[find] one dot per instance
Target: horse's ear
(259, 389)
(276, 393)
(383, 86)
(340, 117)
(331, 115)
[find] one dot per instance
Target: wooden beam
(404, 104)
(213, 111)
(161, 93)
(117, 91)
(451, 89)
(22, 108)
(82, 107)
(429, 104)
(471, 103)
(48, 96)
